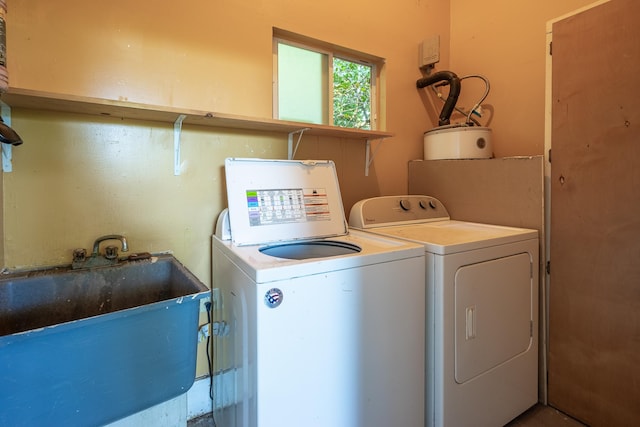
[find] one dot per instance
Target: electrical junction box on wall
(429, 51)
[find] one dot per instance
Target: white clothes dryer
(482, 309)
(326, 325)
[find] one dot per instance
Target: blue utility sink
(88, 347)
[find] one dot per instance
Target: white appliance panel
(374, 249)
(381, 211)
(343, 349)
(493, 317)
(497, 395)
(450, 236)
(234, 359)
(481, 309)
(283, 200)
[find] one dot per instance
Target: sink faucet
(80, 259)
(96, 244)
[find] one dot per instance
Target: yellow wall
(505, 41)
(78, 177)
(213, 56)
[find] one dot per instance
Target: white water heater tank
(458, 142)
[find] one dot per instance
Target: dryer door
(493, 314)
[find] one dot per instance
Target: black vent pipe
(454, 91)
(8, 135)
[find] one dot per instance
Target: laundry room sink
(88, 347)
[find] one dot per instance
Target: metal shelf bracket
(291, 151)
(177, 130)
(7, 153)
(370, 155)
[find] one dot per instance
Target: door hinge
(549, 155)
(551, 48)
(548, 267)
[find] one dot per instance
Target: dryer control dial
(428, 204)
(405, 204)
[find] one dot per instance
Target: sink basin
(88, 347)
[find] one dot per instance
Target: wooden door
(594, 299)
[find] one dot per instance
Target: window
(351, 94)
(320, 83)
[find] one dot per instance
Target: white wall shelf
(38, 100)
(25, 98)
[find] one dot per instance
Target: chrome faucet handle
(122, 239)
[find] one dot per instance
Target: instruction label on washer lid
(283, 200)
(282, 206)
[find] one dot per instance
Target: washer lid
(283, 200)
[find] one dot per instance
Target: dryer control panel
(396, 210)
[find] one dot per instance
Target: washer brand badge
(273, 297)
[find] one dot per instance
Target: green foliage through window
(351, 94)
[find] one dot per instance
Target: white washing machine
(325, 325)
(482, 309)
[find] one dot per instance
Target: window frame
(332, 51)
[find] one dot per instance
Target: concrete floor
(538, 416)
(544, 416)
